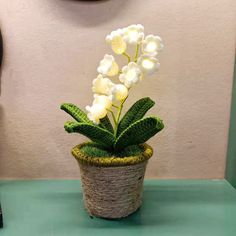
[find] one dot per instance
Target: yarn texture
(112, 186)
(82, 158)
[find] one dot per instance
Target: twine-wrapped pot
(112, 186)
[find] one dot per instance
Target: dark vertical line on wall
(1, 49)
(1, 57)
(231, 155)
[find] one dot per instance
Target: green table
(170, 208)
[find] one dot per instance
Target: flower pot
(112, 186)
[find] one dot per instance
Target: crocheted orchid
(111, 89)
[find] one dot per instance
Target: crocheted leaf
(106, 124)
(136, 112)
(139, 132)
(93, 132)
(75, 112)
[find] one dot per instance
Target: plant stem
(113, 116)
(118, 116)
(115, 106)
(128, 56)
(136, 53)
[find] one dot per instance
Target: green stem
(113, 116)
(128, 56)
(115, 106)
(118, 116)
(136, 53)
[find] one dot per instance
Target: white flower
(102, 85)
(131, 74)
(152, 44)
(118, 45)
(115, 39)
(108, 66)
(103, 100)
(148, 64)
(119, 92)
(96, 112)
(133, 34)
(113, 34)
(99, 108)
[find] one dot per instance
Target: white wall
(52, 49)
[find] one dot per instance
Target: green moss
(94, 155)
(95, 150)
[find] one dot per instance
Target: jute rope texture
(112, 192)
(112, 186)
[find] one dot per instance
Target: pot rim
(111, 161)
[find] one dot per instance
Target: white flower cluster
(145, 62)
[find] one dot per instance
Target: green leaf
(139, 132)
(75, 112)
(136, 112)
(93, 132)
(106, 124)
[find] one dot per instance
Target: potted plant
(113, 163)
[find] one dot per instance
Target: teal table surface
(170, 208)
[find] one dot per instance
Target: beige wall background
(52, 49)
